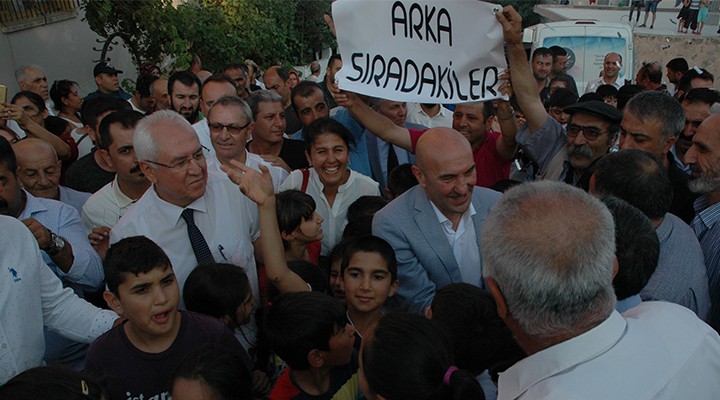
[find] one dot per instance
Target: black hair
(132, 255)
(591, 96)
(370, 244)
(7, 156)
(216, 289)
(186, 78)
(400, 179)
(627, 92)
(408, 356)
(652, 71)
(32, 97)
(126, 118)
(479, 338)
(360, 226)
(281, 72)
(637, 177)
(637, 247)
(562, 98)
(60, 90)
(52, 382)
(304, 89)
(309, 272)
(143, 84)
(568, 81)
(365, 206)
(702, 95)
(678, 64)
(218, 78)
(300, 322)
(607, 91)
(332, 59)
(223, 372)
(541, 51)
(293, 207)
(557, 51)
(687, 78)
(325, 126)
(93, 108)
(504, 184)
(56, 125)
(236, 66)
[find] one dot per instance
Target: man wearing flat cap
(591, 130)
(108, 84)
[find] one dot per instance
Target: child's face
(310, 230)
(336, 281)
(244, 310)
(367, 282)
(149, 301)
(341, 347)
(610, 100)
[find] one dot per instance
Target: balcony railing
(23, 14)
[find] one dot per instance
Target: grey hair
(650, 105)
(262, 96)
(233, 101)
(550, 247)
(21, 71)
(146, 147)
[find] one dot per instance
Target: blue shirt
(359, 161)
(708, 233)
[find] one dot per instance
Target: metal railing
(21, 11)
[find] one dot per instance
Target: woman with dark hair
(29, 111)
(330, 182)
(409, 357)
(67, 101)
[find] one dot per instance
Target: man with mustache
(104, 208)
(184, 91)
(39, 173)
(591, 130)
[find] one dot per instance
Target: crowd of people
(215, 235)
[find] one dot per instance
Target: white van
(587, 42)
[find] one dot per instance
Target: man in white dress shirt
(173, 160)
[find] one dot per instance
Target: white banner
(432, 51)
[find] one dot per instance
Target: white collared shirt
(335, 217)
(105, 207)
(202, 130)
(655, 350)
(227, 219)
(463, 242)
(416, 115)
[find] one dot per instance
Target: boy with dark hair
(609, 94)
(369, 278)
(137, 358)
(308, 331)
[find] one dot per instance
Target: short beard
(704, 184)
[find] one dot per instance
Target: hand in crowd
(511, 23)
(506, 88)
(15, 112)
(255, 185)
(276, 161)
(39, 231)
(100, 239)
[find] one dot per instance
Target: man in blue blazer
(435, 227)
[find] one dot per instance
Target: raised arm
(506, 144)
(375, 122)
(33, 129)
(522, 80)
(258, 187)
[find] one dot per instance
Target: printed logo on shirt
(14, 274)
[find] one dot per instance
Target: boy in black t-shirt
(137, 358)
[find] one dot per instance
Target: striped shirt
(707, 229)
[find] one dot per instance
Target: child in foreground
(136, 359)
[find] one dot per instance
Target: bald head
(445, 170)
(38, 167)
(436, 141)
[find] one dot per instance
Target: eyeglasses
(590, 132)
(232, 129)
(181, 165)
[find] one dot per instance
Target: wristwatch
(56, 244)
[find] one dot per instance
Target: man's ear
(669, 142)
(496, 293)
(316, 358)
(113, 302)
(418, 175)
(428, 312)
(106, 156)
(148, 172)
(616, 267)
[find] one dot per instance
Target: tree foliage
(219, 31)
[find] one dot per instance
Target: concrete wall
(697, 50)
(64, 49)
